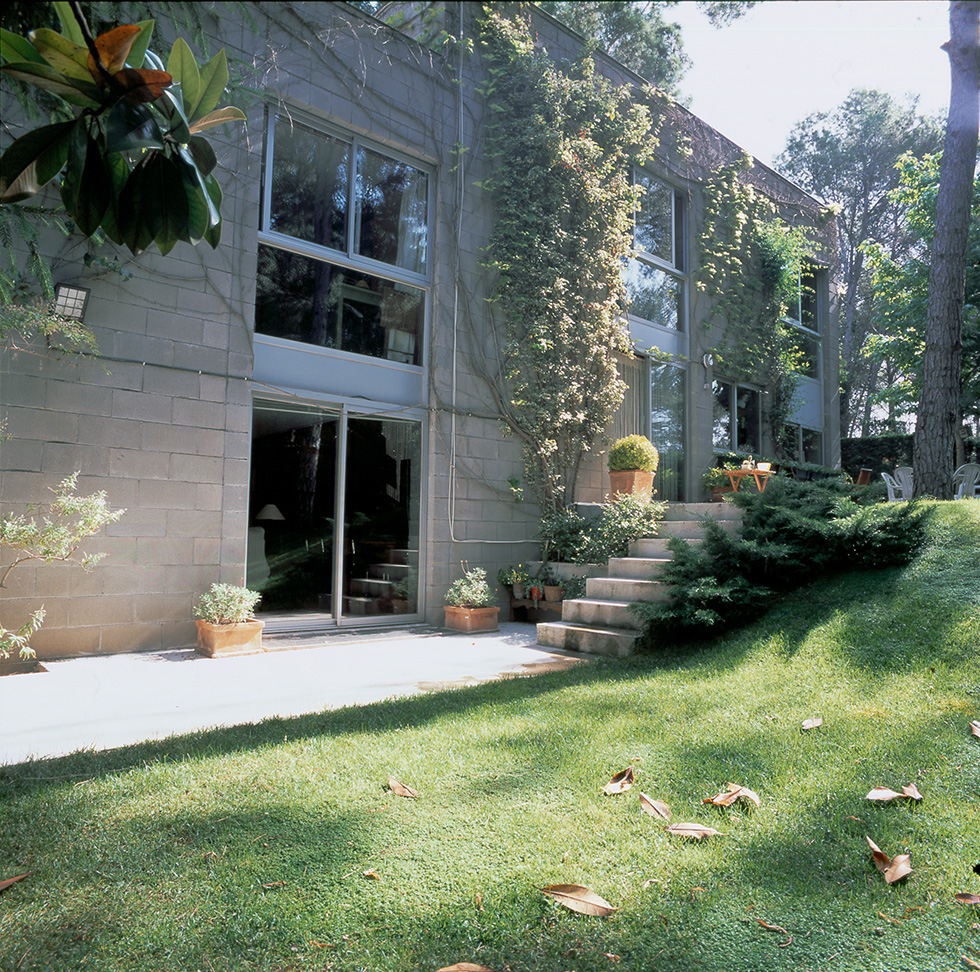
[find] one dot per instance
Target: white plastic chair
(894, 490)
(966, 481)
(903, 476)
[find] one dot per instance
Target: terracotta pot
(470, 618)
(635, 482)
(518, 591)
(222, 640)
(552, 592)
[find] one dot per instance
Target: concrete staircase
(601, 623)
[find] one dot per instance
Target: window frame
(816, 275)
(347, 260)
(733, 389)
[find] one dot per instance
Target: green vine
(751, 264)
(561, 146)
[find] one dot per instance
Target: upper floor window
(343, 245)
(653, 275)
(803, 313)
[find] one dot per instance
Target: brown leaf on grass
(656, 808)
(894, 921)
(692, 830)
(575, 897)
(734, 792)
(620, 783)
(400, 789)
(372, 874)
(969, 963)
(6, 882)
(275, 884)
(968, 899)
(772, 928)
(884, 795)
(975, 728)
(894, 868)
(812, 723)
(464, 967)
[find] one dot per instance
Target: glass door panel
(667, 397)
(381, 519)
(291, 507)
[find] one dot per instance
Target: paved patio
(109, 701)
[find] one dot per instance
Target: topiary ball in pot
(632, 464)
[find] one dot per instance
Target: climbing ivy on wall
(560, 144)
(750, 265)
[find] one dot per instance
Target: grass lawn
(277, 846)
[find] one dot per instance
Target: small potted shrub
(552, 583)
(518, 579)
(226, 625)
(632, 464)
(469, 603)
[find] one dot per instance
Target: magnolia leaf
(693, 830)
(372, 874)
(975, 728)
(6, 882)
(132, 128)
(734, 792)
(969, 899)
(219, 117)
(464, 967)
(87, 188)
(213, 235)
(33, 161)
(62, 54)
(13, 47)
(895, 868)
(812, 723)
(883, 794)
(114, 47)
(400, 789)
(77, 92)
(183, 66)
(620, 783)
(575, 897)
(142, 85)
(214, 80)
(137, 53)
(912, 792)
(202, 154)
(69, 23)
(881, 860)
(656, 808)
(201, 214)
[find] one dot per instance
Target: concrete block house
(298, 410)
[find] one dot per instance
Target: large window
(736, 418)
(343, 258)
(654, 273)
(803, 316)
(667, 397)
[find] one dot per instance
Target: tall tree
(847, 156)
(933, 445)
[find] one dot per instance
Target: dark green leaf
(172, 105)
(13, 47)
(118, 174)
(33, 161)
(213, 235)
(202, 214)
(132, 127)
(87, 187)
(137, 53)
(78, 92)
(153, 206)
(203, 154)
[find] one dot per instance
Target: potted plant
(516, 578)
(469, 603)
(717, 482)
(632, 463)
(552, 583)
(225, 624)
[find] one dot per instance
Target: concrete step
(624, 589)
(655, 548)
(702, 511)
(639, 568)
(392, 572)
(595, 611)
(371, 587)
(579, 637)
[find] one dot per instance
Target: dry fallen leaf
(734, 792)
(964, 898)
(464, 967)
(620, 783)
(575, 897)
(894, 868)
(275, 884)
(373, 874)
(772, 928)
(883, 794)
(692, 830)
(400, 789)
(656, 808)
(812, 723)
(894, 921)
(975, 728)
(6, 882)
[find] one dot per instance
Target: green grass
(246, 849)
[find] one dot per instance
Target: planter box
(633, 481)
(224, 640)
(471, 619)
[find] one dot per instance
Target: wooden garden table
(759, 475)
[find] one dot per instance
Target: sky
(786, 59)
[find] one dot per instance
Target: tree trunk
(933, 449)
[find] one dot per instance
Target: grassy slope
(170, 856)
